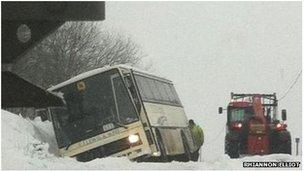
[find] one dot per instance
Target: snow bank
(31, 145)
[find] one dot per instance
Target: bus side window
(146, 91)
(176, 99)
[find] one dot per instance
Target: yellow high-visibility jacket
(197, 135)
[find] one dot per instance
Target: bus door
(132, 87)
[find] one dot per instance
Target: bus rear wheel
(164, 157)
(187, 155)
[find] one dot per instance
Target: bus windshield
(94, 105)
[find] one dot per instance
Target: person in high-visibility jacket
(198, 138)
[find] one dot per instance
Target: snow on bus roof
(98, 71)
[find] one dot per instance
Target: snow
(30, 144)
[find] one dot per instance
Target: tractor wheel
(281, 143)
(285, 147)
(233, 149)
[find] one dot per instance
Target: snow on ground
(31, 145)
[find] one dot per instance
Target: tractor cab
(253, 126)
(238, 115)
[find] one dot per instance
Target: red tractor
(253, 127)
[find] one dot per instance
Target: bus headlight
(133, 138)
(156, 153)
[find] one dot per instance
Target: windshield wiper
(68, 146)
(120, 124)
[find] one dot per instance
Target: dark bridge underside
(28, 95)
(41, 18)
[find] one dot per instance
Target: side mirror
(220, 110)
(43, 113)
(284, 117)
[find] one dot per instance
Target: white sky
(209, 49)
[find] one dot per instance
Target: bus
(120, 111)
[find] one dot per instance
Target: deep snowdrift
(31, 145)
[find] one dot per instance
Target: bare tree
(74, 48)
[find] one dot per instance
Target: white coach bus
(120, 111)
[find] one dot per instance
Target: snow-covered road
(31, 145)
